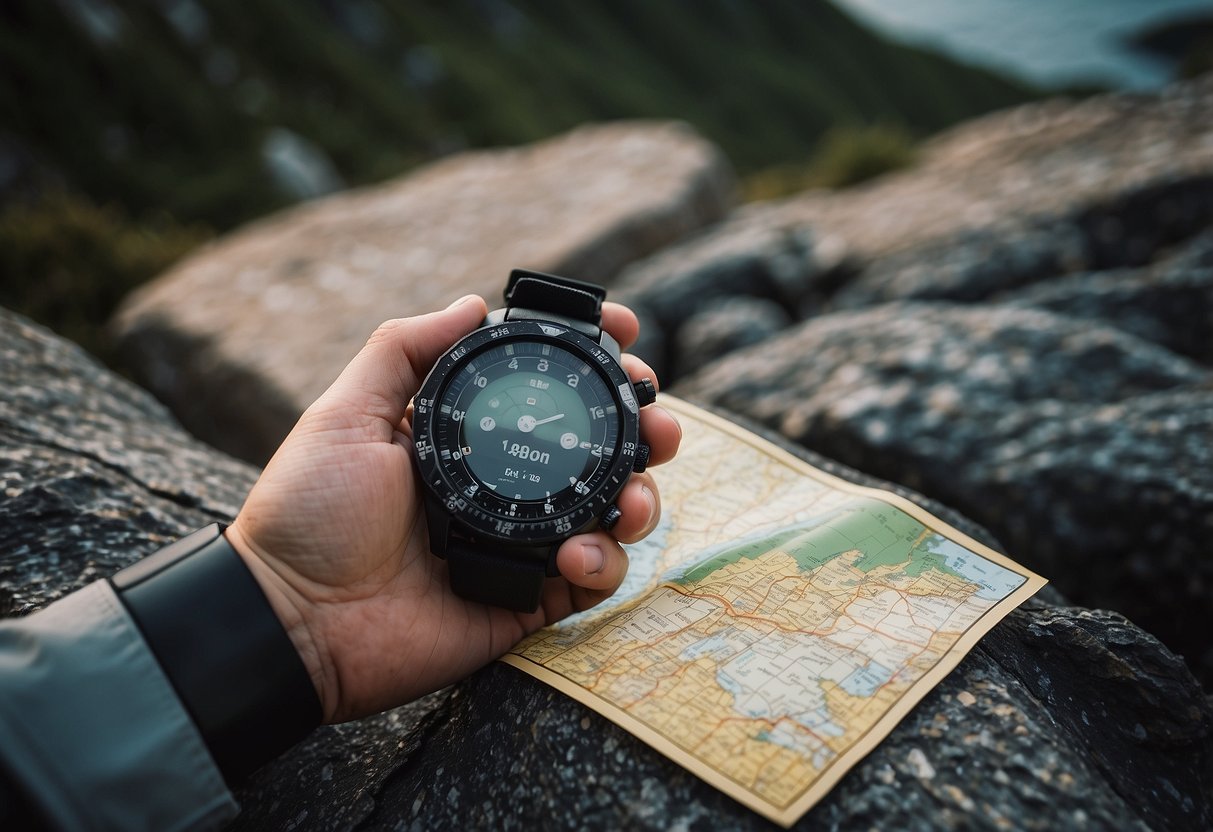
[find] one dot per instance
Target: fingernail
(461, 301)
(592, 558)
(652, 498)
(674, 418)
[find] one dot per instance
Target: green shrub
(67, 263)
(845, 156)
(850, 155)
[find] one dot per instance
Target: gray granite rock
(334, 778)
(1012, 200)
(737, 261)
(1132, 169)
(738, 258)
(1087, 452)
(1127, 230)
(722, 326)
(95, 473)
(973, 265)
(1169, 302)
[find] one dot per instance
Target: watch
(525, 433)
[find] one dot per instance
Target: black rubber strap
(223, 648)
(561, 298)
(491, 575)
(511, 576)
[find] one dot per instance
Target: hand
(335, 534)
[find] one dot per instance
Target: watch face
(524, 432)
(531, 419)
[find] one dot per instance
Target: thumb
(388, 371)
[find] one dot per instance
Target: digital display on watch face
(531, 421)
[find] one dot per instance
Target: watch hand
(528, 423)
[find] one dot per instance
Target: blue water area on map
(866, 680)
(754, 686)
(996, 582)
(718, 646)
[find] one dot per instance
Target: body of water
(1052, 43)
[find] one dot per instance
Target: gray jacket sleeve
(91, 729)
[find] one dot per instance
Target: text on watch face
(529, 421)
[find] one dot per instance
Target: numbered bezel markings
(485, 511)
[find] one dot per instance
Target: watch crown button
(646, 391)
(609, 518)
(642, 457)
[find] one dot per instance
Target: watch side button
(646, 391)
(609, 518)
(642, 457)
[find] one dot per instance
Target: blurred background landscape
(133, 132)
(959, 249)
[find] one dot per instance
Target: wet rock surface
(95, 472)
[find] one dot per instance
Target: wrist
(297, 615)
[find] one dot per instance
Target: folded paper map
(778, 623)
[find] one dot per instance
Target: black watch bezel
(481, 521)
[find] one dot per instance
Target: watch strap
(554, 295)
(223, 648)
(511, 578)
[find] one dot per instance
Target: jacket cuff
(93, 730)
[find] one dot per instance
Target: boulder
(1086, 450)
(1129, 229)
(95, 472)
(1000, 203)
(1169, 302)
(737, 261)
(1133, 170)
(1061, 717)
(723, 326)
(244, 334)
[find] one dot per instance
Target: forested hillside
(175, 105)
(132, 130)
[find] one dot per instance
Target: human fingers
(658, 427)
(594, 564)
(640, 502)
(621, 322)
(661, 431)
(637, 368)
(388, 371)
